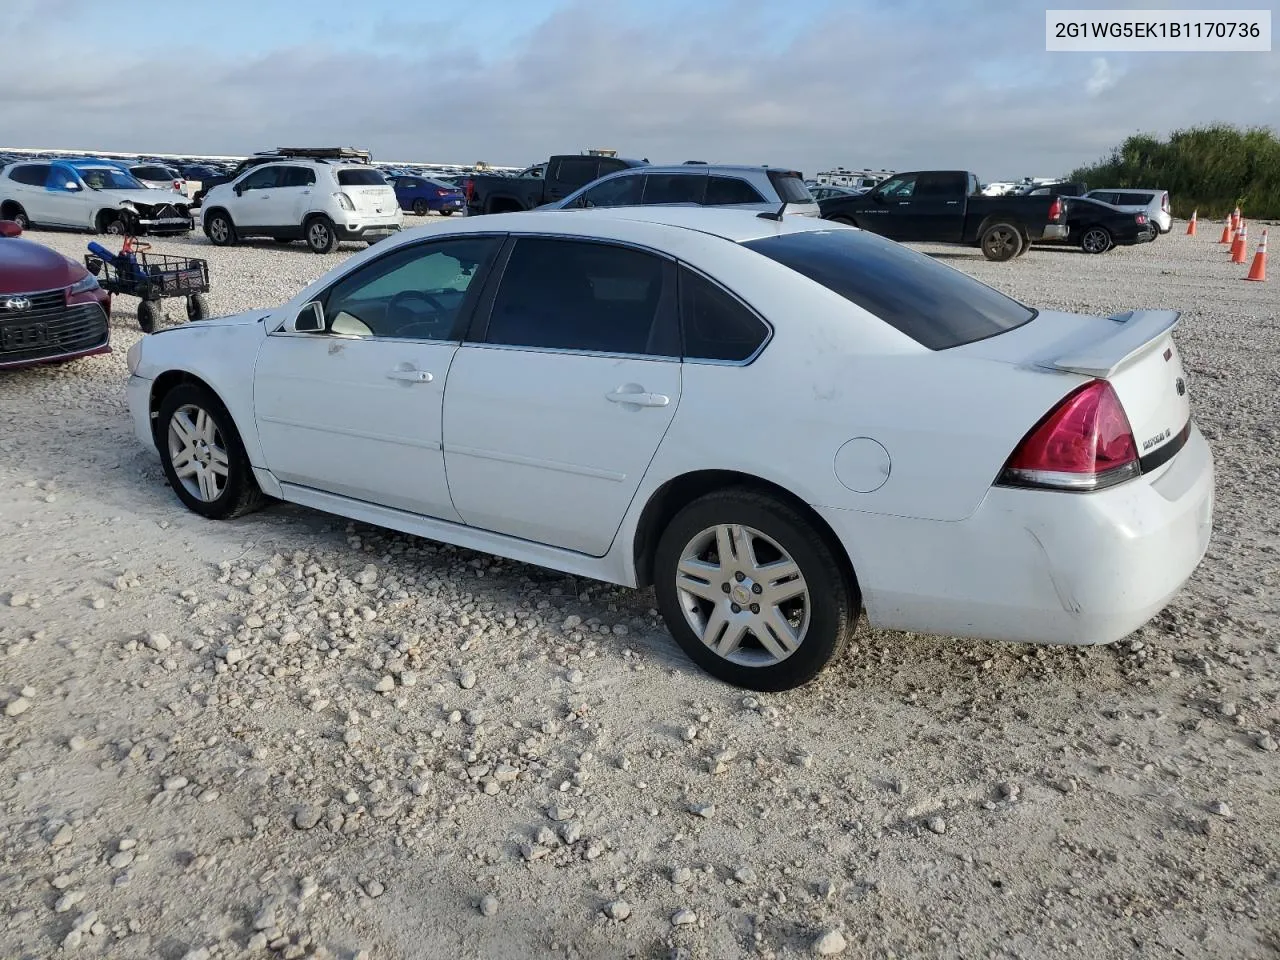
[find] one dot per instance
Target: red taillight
(1085, 443)
(1140, 217)
(1164, 203)
(1055, 208)
(468, 187)
(442, 193)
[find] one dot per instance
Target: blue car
(422, 194)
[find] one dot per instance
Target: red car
(51, 308)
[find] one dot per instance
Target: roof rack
(320, 153)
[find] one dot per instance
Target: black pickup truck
(559, 177)
(946, 206)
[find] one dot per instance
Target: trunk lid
(1134, 351)
(369, 191)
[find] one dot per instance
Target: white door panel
(551, 446)
(356, 417)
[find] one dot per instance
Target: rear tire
(1001, 242)
(1095, 240)
(819, 620)
(149, 315)
(446, 213)
(321, 235)
(228, 488)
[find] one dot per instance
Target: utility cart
(151, 277)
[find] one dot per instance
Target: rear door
(556, 407)
(935, 210)
(292, 198)
(569, 174)
(27, 187)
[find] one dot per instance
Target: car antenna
(774, 214)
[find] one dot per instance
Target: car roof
(736, 226)
(700, 168)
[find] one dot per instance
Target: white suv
(320, 201)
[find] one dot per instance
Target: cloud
(909, 85)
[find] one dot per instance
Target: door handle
(638, 398)
(412, 376)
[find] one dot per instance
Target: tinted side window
(618, 192)
(297, 177)
(931, 303)
(716, 325)
(579, 295)
(32, 174)
(940, 185)
(416, 293)
(264, 178)
(674, 188)
(898, 187)
(577, 172)
(1134, 199)
(724, 191)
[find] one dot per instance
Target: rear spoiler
(1136, 334)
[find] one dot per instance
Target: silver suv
(1154, 203)
(696, 185)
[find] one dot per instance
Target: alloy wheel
(218, 230)
(198, 453)
(1095, 241)
(743, 595)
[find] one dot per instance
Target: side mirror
(71, 185)
(310, 319)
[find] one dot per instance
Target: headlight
(83, 285)
(134, 357)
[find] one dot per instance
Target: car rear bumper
(368, 229)
(1038, 566)
(1054, 231)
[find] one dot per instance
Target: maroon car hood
(27, 267)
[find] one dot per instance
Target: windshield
(931, 303)
(359, 177)
(108, 178)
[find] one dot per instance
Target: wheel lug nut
(735, 608)
(739, 576)
(755, 608)
(756, 588)
(724, 587)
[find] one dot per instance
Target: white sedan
(776, 423)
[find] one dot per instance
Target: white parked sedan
(776, 423)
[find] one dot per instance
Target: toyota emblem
(16, 304)
(1181, 386)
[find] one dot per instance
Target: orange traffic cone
(1191, 227)
(1235, 218)
(1259, 269)
(1228, 231)
(1241, 242)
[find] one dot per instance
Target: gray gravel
(260, 771)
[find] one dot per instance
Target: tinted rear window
(1134, 199)
(790, 187)
(355, 177)
(932, 304)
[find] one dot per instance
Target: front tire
(220, 230)
(1095, 240)
(202, 455)
(420, 208)
(752, 591)
(1001, 242)
(321, 235)
(19, 216)
(119, 227)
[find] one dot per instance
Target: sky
(809, 84)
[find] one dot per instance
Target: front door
(356, 410)
(553, 415)
(256, 205)
(885, 211)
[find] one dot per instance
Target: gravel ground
(291, 736)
